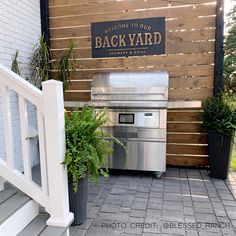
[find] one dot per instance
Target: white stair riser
(20, 219)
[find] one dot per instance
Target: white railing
(53, 192)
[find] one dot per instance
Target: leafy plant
(15, 65)
(40, 63)
(229, 69)
(67, 65)
(219, 113)
(87, 145)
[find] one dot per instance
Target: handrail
(49, 103)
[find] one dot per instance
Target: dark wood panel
(186, 138)
(196, 161)
(186, 149)
(184, 127)
(184, 116)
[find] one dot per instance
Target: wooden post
(219, 51)
(53, 105)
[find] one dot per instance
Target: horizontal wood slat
(182, 83)
(171, 38)
(186, 138)
(181, 71)
(184, 116)
(186, 149)
(187, 11)
(184, 127)
(200, 24)
(188, 94)
(171, 48)
(179, 160)
(165, 60)
(53, 3)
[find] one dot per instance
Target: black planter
(78, 201)
(219, 150)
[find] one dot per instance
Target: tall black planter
(219, 150)
(78, 201)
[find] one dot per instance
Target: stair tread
(53, 230)
(6, 194)
(11, 204)
(36, 226)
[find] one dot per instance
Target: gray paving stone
(204, 210)
(155, 200)
(93, 212)
(188, 211)
(191, 233)
(202, 217)
(172, 197)
(110, 208)
(172, 215)
(232, 215)
(139, 205)
(113, 201)
(157, 206)
(79, 232)
(206, 233)
(202, 205)
(176, 207)
(86, 224)
(125, 209)
(127, 203)
(137, 213)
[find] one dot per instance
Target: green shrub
(87, 145)
(219, 113)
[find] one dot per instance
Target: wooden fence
(189, 58)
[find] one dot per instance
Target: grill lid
(130, 89)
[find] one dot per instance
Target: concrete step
(38, 227)
(16, 211)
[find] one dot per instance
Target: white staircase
(19, 209)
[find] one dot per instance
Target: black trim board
(219, 50)
(44, 14)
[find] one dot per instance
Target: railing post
(1, 183)
(53, 105)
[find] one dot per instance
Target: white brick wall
(19, 30)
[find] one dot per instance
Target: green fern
(87, 145)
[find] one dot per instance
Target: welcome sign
(125, 38)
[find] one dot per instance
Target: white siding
(19, 30)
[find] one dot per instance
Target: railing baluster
(42, 152)
(7, 125)
(1, 183)
(24, 137)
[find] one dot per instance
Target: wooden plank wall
(189, 58)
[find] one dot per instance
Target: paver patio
(183, 202)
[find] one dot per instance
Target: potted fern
(219, 123)
(87, 148)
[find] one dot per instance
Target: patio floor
(183, 202)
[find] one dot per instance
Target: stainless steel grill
(137, 108)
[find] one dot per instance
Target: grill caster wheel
(157, 174)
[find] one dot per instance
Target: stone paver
(183, 202)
